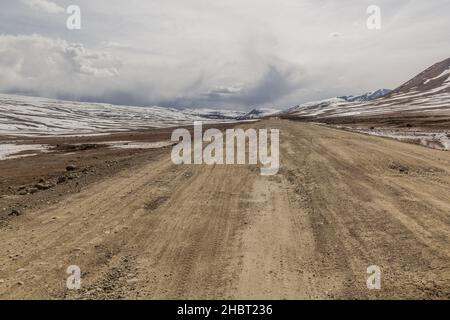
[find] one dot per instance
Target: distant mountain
(259, 113)
(367, 96)
(214, 114)
(314, 108)
(429, 92)
(229, 114)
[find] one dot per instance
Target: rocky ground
(68, 165)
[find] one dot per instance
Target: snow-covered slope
(427, 92)
(259, 113)
(315, 108)
(23, 115)
(20, 115)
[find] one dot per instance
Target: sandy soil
(341, 202)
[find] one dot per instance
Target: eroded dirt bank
(340, 203)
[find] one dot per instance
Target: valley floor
(341, 202)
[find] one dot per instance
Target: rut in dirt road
(338, 205)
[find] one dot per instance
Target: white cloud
(45, 66)
(44, 5)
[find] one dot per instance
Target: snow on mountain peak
(367, 96)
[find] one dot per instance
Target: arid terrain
(139, 226)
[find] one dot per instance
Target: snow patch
(10, 151)
(444, 73)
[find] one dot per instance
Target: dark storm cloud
(273, 85)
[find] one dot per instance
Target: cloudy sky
(216, 53)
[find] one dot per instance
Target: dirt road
(340, 203)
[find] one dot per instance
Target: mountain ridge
(428, 92)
